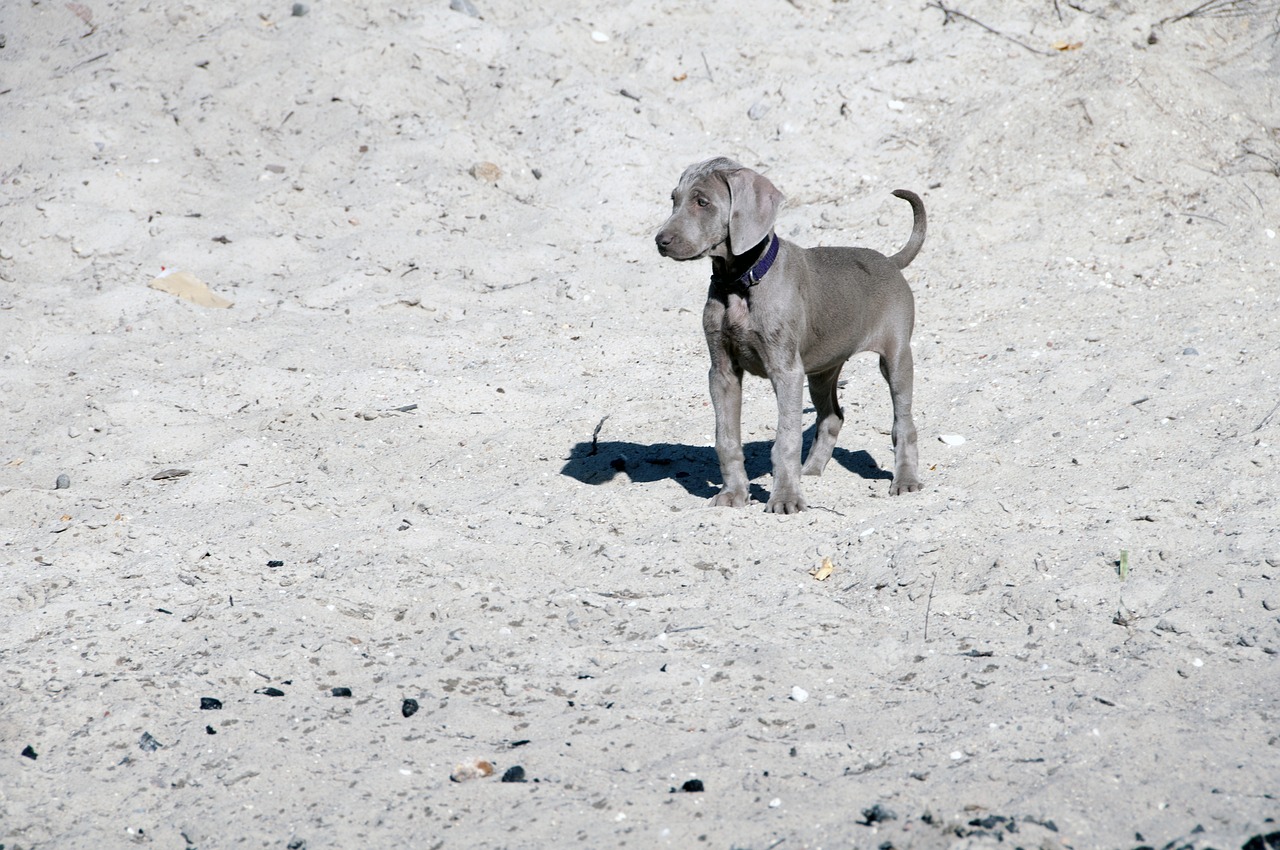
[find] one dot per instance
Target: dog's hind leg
(898, 370)
(823, 391)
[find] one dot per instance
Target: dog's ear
(753, 208)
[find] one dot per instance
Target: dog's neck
(747, 269)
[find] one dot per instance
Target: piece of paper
(188, 286)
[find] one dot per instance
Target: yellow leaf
(823, 572)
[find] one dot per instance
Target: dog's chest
(741, 337)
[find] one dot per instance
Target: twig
(950, 14)
(1267, 418)
(595, 435)
(929, 607)
(707, 65)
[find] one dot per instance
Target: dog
(784, 312)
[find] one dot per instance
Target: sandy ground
(436, 230)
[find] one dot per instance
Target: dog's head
(719, 209)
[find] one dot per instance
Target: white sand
(1097, 318)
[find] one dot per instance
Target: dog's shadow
(695, 468)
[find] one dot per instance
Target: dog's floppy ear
(754, 203)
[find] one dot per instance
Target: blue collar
(761, 267)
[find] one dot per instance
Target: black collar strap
(761, 267)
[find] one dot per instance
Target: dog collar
(761, 267)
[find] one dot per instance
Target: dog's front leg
(726, 399)
(788, 386)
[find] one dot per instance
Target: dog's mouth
(681, 254)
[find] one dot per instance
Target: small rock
(1270, 841)
(274, 564)
(340, 692)
(599, 37)
(28, 752)
(758, 110)
(693, 786)
(951, 439)
(515, 773)
(897, 105)
(1189, 351)
(300, 9)
(167, 474)
(466, 7)
(210, 704)
(775, 802)
(209, 730)
(270, 692)
(148, 744)
(63, 482)
(467, 770)
(409, 708)
(486, 171)
(799, 694)
(878, 814)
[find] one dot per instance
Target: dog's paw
(791, 504)
(729, 499)
(911, 485)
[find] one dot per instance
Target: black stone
(515, 773)
(877, 814)
(693, 786)
(275, 563)
(210, 704)
(1270, 841)
(29, 753)
(340, 692)
(409, 707)
(148, 744)
(270, 692)
(209, 730)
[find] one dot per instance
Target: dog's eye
(702, 202)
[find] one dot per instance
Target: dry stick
(956, 13)
(1266, 418)
(595, 436)
(929, 607)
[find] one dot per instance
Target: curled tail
(903, 258)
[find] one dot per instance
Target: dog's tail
(903, 258)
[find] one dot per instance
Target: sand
(452, 440)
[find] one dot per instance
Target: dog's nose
(664, 242)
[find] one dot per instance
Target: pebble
(409, 707)
(952, 439)
(897, 105)
(1189, 351)
(878, 814)
(63, 482)
(758, 110)
(148, 744)
(467, 770)
(270, 692)
(775, 802)
(599, 37)
(799, 694)
(300, 9)
(209, 730)
(515, 773)
(28, 752)
(486, 171)
(693, 786)
(466, 7)
(340, 692)
(210, 704)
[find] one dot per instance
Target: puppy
(784, 312)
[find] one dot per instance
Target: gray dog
(782, 312)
